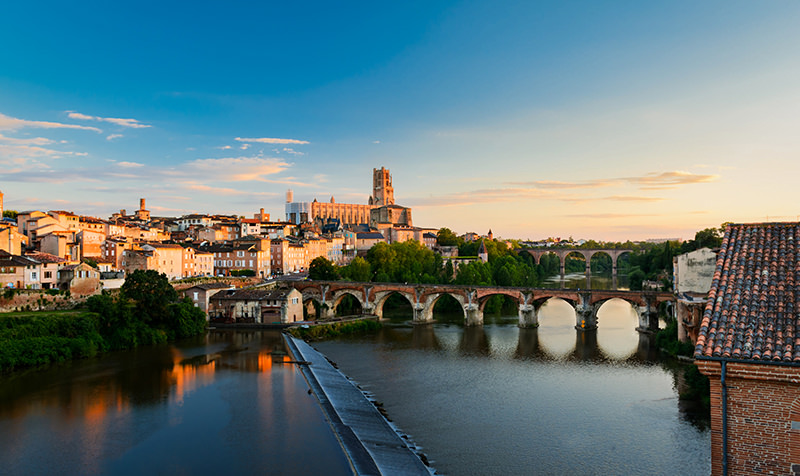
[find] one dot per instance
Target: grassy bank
(146, 311)
(334, 329)
(29, 339)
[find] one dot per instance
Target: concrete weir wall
(371, 444)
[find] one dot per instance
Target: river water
(218, 405)
(485, 400)
(502, 400)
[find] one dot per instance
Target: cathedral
(380, 211)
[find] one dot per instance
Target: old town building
(280, 306)
(748, 347)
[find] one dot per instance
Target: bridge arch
(382, 296)
(341, 294)
(431, 299)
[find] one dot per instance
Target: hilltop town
(64, 250)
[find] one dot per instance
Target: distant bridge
(587, 254)
(473, 299)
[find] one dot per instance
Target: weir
(371, 444)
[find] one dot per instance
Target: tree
(151, 292)
(358, 270)
(10, 214)
(446, 237)
(321, 268)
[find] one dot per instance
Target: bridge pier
(585, 313)
(422, 314)
(528, 316)
(473, 316)
(648, 316)
(326, 312)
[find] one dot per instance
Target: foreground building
(258, 306)
(749, 347)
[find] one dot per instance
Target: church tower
(382, 190)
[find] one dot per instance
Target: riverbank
(372, 445)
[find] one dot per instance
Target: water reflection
(474, 341)
(151, 410)
(537, 393)
(578, 280)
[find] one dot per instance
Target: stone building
(380, 209)
(79, 279)
(748, 345)
(202, 293)
(692, 277)
(258, 306)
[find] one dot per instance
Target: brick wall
(763, 401)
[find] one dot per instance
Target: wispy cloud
(130, 165)
(631, 198)
(556, 184)
(478, 196)
(114, 136)
(12, 123)
(670, 179)
(289, 150)
(237, 169)
(270, 140)
(649, 181)
(133, 123)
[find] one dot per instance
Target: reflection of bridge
(473, 299)
(531, 344)
(587, 254)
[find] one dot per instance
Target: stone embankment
(37, 300)
(372, 445)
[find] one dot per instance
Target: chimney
(141, 204)
(289, 196)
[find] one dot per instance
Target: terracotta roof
(251, 295)
(45, 257)
(213, 286)
(754, 303)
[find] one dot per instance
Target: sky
(608, 120)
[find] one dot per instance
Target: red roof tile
(753, 311)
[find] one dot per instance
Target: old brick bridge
(473, 299)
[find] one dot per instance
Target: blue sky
(602, 120)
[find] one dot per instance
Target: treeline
(146, 311)
(411, 262)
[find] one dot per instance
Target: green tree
(446, 237)
(152, 293)
(321, 268)
(10, 214)
(358, 270)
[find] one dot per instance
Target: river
(222, 404)
(485, 400)
(502, 400)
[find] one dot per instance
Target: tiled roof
(754, 303)
(213, 286)
(373, 235)
(46, 257)
(251, 295)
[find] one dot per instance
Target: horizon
(607, 122)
